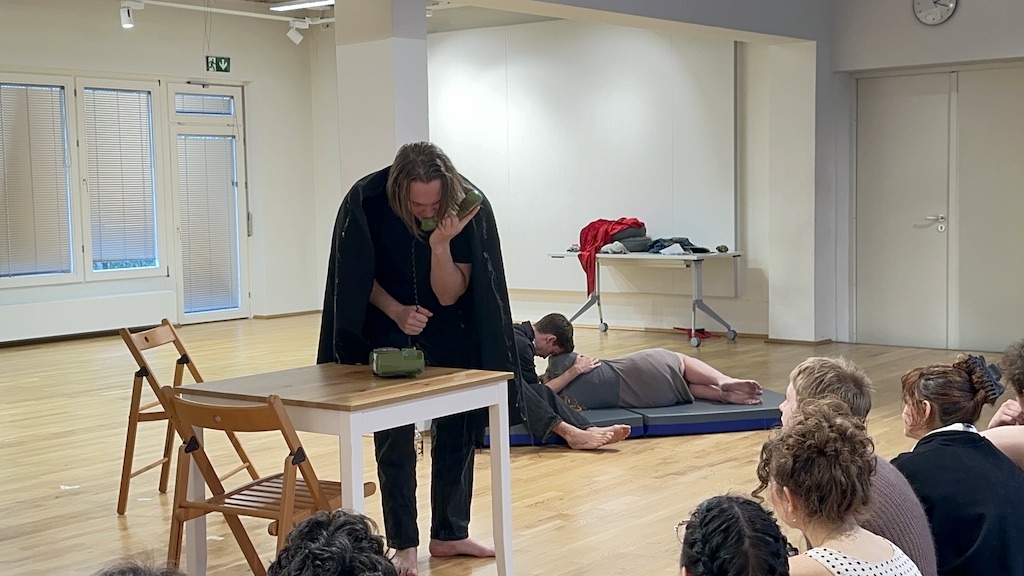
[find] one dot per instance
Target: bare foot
(590, 439)
(465, 547)
(405, 562)
(619, 432)
(736, 391)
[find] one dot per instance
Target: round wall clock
(933, 12)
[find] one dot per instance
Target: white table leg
(501, 481)
(195, 530)
(350, 442)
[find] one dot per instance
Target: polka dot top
(840, 564)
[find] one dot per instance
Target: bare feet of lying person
(405, 562)
(735, 391)
(464, 547)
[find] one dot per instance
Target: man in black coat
(391, 284)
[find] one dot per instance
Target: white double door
(940, 209)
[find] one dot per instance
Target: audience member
(817, 470)
(131, 567)
(732, 536)
(1004, 429)
(893, 511)
(970, 490)
(339, 543)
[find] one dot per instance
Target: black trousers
(544, 409)
(453, 441)
(451, 480)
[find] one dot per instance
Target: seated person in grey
(545, 412)
(649, 378)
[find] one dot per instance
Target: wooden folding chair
(282, 498)
(137, 343)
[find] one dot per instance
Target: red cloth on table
(594, 236)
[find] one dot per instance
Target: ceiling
(456, 17)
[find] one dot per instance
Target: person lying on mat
(649, 378)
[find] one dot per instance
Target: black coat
(350, 275)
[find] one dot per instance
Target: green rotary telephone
(397, 362)
(472, 199)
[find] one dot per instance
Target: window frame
(74, 201)
(161, 184)
(173, 88)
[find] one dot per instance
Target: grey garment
(646, 379)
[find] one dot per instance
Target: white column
(791, 192)
(382, 81)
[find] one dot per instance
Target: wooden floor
(63, 415)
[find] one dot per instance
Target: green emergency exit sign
(218, 64)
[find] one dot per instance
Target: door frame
(212, 126)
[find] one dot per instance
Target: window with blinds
(208, 193)
(35, 187)
(204, 104)
(121, 180)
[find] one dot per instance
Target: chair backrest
(165, 333)
(186, 414)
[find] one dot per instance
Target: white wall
(85, 37)
(875, 34)
(746, 20)
(562, 123)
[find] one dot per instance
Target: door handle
(938, 217)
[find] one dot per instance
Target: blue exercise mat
(700, 417)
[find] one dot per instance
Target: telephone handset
(473, 199)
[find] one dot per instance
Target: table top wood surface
(343, 387)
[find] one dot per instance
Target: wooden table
(349, 401)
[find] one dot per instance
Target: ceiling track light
(300, 5)
(293, 29)
(128, 8)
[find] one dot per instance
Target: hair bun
(983, 376)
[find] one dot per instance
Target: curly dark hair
(1012, 365)
(130, 567)
(733, 536)
(957, 391)
(824, 457)
(339, 543)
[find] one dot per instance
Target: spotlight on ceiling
(293, 29)
(299, 5)
(128, 8)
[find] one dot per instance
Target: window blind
(204, 104)
(35, 191)
(122, 191)
(208, 193)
